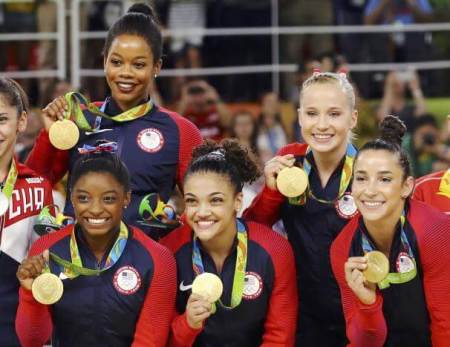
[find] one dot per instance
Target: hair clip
(103, 147)
(316, 71)
(343, 71)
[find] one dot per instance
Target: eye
(311, 113)
(359, 178)
(189, 201)
(386, 179)
(216, 200)
(110, 199)
(115, 62)
(139, 65)
(82, 198)
(3, 119)
(335, 114)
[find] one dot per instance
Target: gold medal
(377, 267)
(64, 134)
(209, 286)
(292, 181)
(47, 288)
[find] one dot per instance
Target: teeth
(205, 223)
(373, 203)
(96, 221)
(322, 136)
(125, 86)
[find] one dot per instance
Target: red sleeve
(47, 160)
(153, 325)
(281, 319)
(181, 334)
(33, 320)
(190, 138)
(365, 324)
(432, 229)
(265, 208)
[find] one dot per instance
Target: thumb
(46, 255)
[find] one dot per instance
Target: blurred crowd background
(248, 106)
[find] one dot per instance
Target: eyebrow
(379, 172)
(85, 191)
(215, 193)
(120, 56)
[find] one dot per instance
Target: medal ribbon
(75, 112)
(346, 176)
(10, 180)
(239, 271)
(444, 186)
(394, 277)
(75, 267)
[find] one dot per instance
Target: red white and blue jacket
(31, 193)
(106, 309)
(267, 314)
(156, 148)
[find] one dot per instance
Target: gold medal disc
(64, 134)
(47, 288)
(292, 181)
(209, 286)
(377, 267)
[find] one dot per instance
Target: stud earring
(156, 75)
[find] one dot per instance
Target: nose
(371, 188)
(96, 207)
(203, 210)
(322, 122)
(125, 71)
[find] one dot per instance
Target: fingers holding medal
(54, 111)
(207, 288)
(46, 287)
(292, 181)
(354, 275)
(274, 166)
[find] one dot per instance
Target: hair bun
(392, 129)
(142, 8)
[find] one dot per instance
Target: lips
(205, 224)
(322, 137)
(372, 204)
(125, 87)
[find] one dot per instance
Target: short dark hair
(227, 158)
(13, 93)
(140, 20)
(104, 162)
(392, 131)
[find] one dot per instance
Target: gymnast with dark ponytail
(114, 286)
(251, 263)
(391, 261)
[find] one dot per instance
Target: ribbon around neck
(239, 271)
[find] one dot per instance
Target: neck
(99, 244)
(383, 231)
(220, 247)
(128, 106)
(5, 164)
(328, 162)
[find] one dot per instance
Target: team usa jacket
(156, 148)
(129, 304)
(414, 313)
(311, 228)
(434, 189)
(267, 313)
(31, 193)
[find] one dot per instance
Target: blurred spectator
(26, 139)
(399, 46)
(241, 50)
(394, 98)
(303, 47)
(20, 17)
(425, 151)
(201, 104)
(271, 135)
(244, 128)
(186, 49)
(304, 71)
